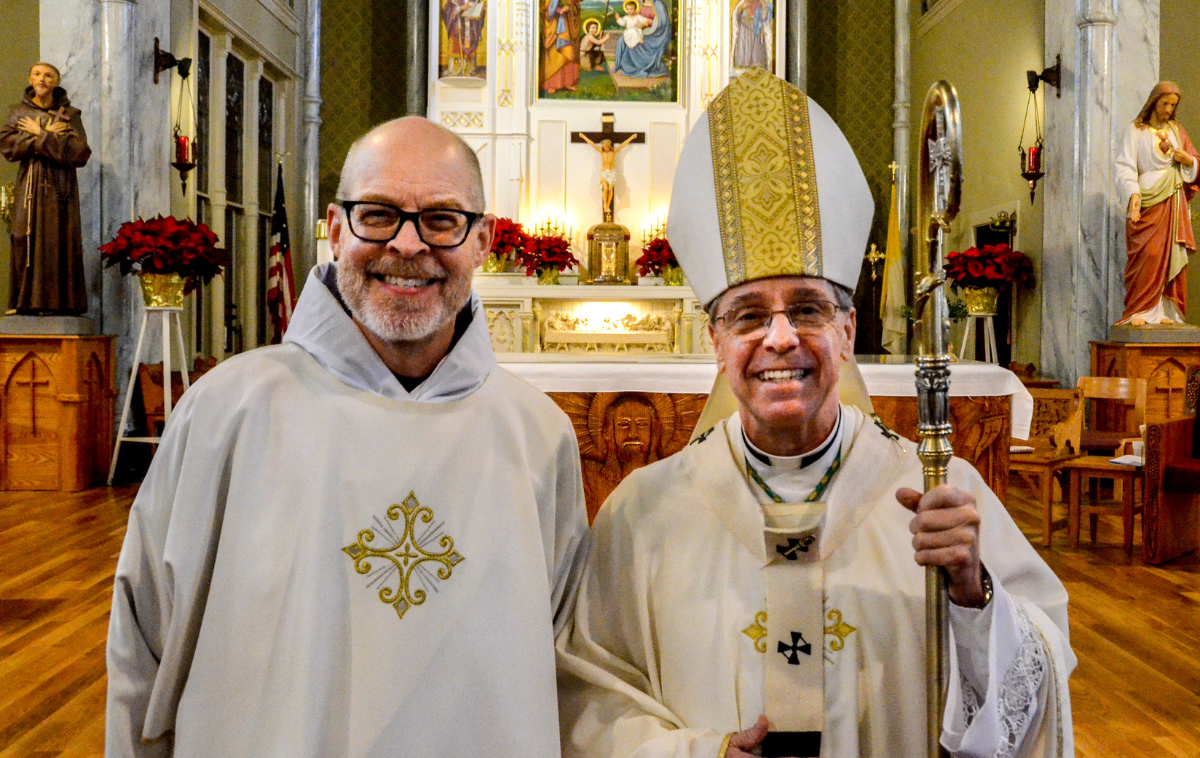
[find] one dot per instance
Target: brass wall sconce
(1052, 76)
(164, 60)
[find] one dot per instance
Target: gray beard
(393, 322)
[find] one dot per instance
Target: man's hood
(322, 326)
(59, 99)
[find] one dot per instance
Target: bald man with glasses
(324, 560)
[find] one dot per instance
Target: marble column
(901, 118)
(796, 43)
(1110, 62)
(416, 43)
(312, 138)
(120, 311)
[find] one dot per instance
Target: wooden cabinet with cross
(56, 411)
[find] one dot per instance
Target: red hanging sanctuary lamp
(185, 155)
(1033, 157)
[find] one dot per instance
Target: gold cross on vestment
(32, 383)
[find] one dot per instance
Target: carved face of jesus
(1164, 108)
(43, 79)
(632, 426)
(785, 381)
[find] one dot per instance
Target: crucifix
(608, 142)
(32, 383)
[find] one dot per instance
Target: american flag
(281, 284)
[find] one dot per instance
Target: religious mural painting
(751, 36)
(462, 40)
(619, 50)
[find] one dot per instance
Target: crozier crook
(940, 194)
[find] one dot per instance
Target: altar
(657, 400)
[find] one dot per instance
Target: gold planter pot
(495, 265)
(673, 276)
(162, 290)
(547, 276)
(981, 301)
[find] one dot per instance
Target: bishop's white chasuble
(674, 643)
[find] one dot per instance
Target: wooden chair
(1040, 468)
(150, 382)
(1075, 435)
(1126, 396)
(1171, 522)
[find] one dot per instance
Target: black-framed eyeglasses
(380, 222)
(805, 317)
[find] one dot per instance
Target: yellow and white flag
(893, 297)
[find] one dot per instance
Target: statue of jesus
(1157, 174)
(608, 172)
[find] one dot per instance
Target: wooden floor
(1135, 628)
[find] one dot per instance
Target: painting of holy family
(624, 50)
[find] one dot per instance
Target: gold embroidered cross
(405, 555)
(839, 630)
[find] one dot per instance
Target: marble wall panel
(1061, 224)
(1136, 57)
(1110, 62)
(69, 40)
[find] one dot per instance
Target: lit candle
(1035, 159)
(181, 148)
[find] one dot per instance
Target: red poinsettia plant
(992, 266)
(546, 252)
(167, 245)
(509, 240)
(656, 258)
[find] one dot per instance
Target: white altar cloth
(885, 376)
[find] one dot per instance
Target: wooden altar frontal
(630, 413)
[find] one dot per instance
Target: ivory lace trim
(1017, 699)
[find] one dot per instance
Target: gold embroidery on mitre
(757, 631)
(765, 179)
(406, 559)
(839, 630)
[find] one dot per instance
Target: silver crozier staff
(940, 193)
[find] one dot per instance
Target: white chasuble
(668, 649)
(312, 570)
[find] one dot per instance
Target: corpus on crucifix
(608, 142)
(608, 241)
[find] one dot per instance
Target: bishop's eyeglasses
(805, 317)
(436, 227)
